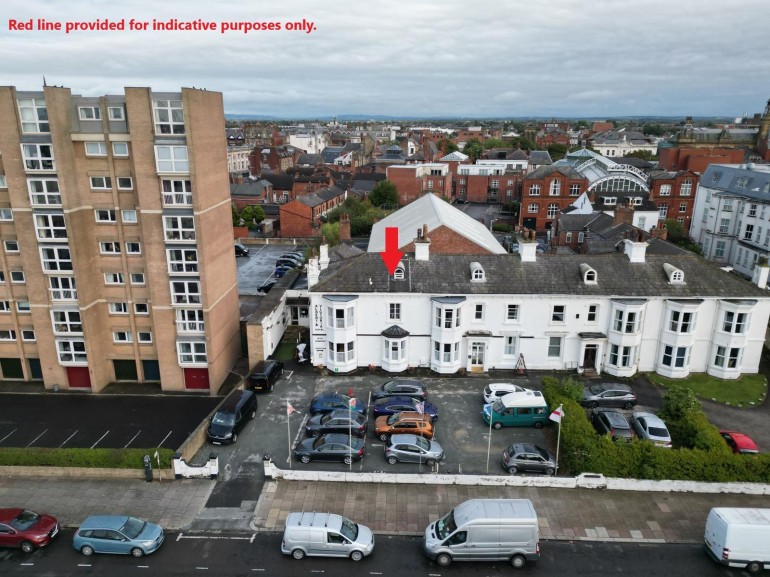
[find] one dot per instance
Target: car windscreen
(446, 525)
(224, 419)
(393, 418)
(349, 529)
(423, 443)
(658, 432)
(498, 406)
(133, 527)
(24, 520)
(542, 453)
(596, 389)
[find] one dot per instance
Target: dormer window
(610, 200)
(398, 274)
(588, 274)
(637, 201)
(477, 273)
(675, 275)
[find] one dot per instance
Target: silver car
(413, 449)
(652, 428)
(528, 458)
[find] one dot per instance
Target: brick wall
(444, 240)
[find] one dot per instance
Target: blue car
(328, 402)
(117, 534)
(281, 270)
(392, 405)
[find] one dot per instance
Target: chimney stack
(422, 244)
(344, 227)
(624, 214)
(323, 261)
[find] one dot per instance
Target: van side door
(484, 542)
(336, 545)
(457, 544)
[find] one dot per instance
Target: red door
(78, 377)
(196, 378)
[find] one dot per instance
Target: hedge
(708, 459)
(90, 458)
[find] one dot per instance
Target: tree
(447, 146)
(557, 151)
(643, 154)
(582, 124)
(496, 143)
(523, 143)
(653, 129)
(473, 148)
(331, 232)
(252, 215)
(384, 193)
(236, 215)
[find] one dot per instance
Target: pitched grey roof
(309, 159)
(545, 170)
(729, 178)
(330, 153)
(280, 181)
(540, 157)
(517, 154)
(557, 274)
(455, 156)
(323, 195)
(434, 212)
(618, 136)
(344, 251)
(250, 188)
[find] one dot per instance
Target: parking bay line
(132, 439)
(100, 438)
(68, 438)
(8, 435)
(164, 438)
(36, 438)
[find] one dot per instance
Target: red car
(740, 443)
(26, 530)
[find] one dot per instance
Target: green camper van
(520, 409)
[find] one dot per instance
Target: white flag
(289, 408)
(557, 415)
(419, 407)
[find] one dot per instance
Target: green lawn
(285, 351)
(741, 392)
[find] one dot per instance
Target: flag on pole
(420, 407)
(557, 415)
(289, 409)
(352, 403)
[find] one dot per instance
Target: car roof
(503, 386)
(336, 438)
(104, 522)
(412, 416)
(523, 399)
(651, 418)
(395, 400)
(742, 440)
(327, 396)
(615, 418)
(615, 387)
(404, 438)
(337, 413)
(9, 514)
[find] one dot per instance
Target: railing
(63, 294)
(177, 199)
(190, 327)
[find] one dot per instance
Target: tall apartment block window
(71, 350)
(176, 192)
(50, 227)
(89, 113)
(96, 149)
(66, 322)
(101, 183)
(44, 192)
(171, 159)
(169, 116)
(120, 149)
(62, 288)
(38, 157)
(191, 353)
(189, 320)
(105, 215)
(186, 292)
(182, 260)
(179, 228)
(34, 115)
(116, 113)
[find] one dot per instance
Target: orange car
(406, 422)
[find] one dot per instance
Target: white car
(494, 391)
(652, 428)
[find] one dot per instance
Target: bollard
(147, 468)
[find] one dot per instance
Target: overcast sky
(477, 58)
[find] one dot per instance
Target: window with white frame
(137, 278)
(125, 183)
(341, 317)
(71, 350)
(50, 227)
(5, 306)
(89, 113)
(675, 356)
(626, 321)
(593, 313)
(446, 352)
(752, 210)
(186, 292)
(33, 115)
(512, 312)
(118, 308)
(109, 247)
(141, 309)
(6, 215)
(574, 190)
(11, 245)
(610, 200)
(509, 345)
(447, 317)
(176, 192)
(724, 225)
(189, 320)
(171, 159)
(554, 347)
(665, 190)
(478, 312)
(38, 157)
(552, 211)
(663, 210)
(44, 192)
(558, 313)
(116, 113)
(533, 207)
(748, 232)
(681, 321)
(169, 116)
(120, 337)
(734, 322)
(621, 356)
(96, 148)
(568, 237)
(182, 260)
(120, 149)
(100, 183)
(62, 288)
(682, 207)
(28, 335)
(66, 322)
(398, 273)
(179, 228)
(144, 337)
(105, 215)
(56, 258)
(534, 190)
(23, 306)
(128, 216)
(133, 247)
(191, 353)
(555, 187)
(394, 311)
(341, 352)
(114, 278)
(719, 249)
(17, 277)
(728, 357)
(727, 205)
(7, 335)
(394, 349)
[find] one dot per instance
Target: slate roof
(517, 154)
(249, 188)
(617, 136)
(330, 153)
(315, 198)
(540, 157)
(280, 181)
(344, 251)
(726, 178)
(573, 222)
(350, 147)
(309, 159)
(545, 170)
(434, 212)
(455, 156)
(557, 274)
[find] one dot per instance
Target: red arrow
(391, 255)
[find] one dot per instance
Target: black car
(266, 286)
(612, 423)
(339, 421)
(331, 447)
(401, 388)
(391, 405)
(241, 250)
(608, 395)
(264, 375)
(231, 417)
(327, 402)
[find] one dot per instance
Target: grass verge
(746, 391)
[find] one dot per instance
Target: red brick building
(414, 180)
(674, 193)
(698, 159)
(488, 183)
(274, 158)
(301, 217)
(546, 191)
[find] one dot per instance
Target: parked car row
(115, 534)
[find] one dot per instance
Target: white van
(739, 537)
(485, 530)
(325, 535)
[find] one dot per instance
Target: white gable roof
(431, 210)
(455, 156)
